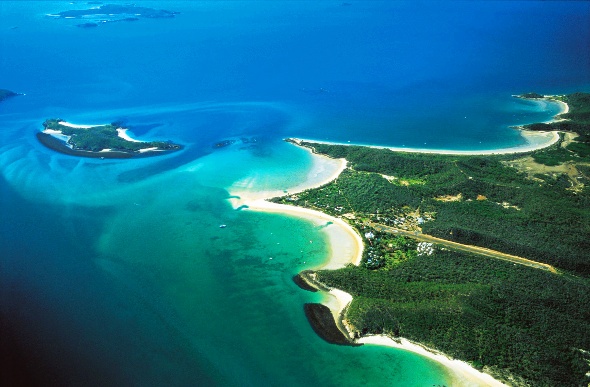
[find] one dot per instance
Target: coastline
(342, 254)
(463, 374)
(346, 245)
(123, 134)
(535, 141)
(324, 170)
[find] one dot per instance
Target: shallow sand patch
(324, 169)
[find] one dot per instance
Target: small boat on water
(222, 225)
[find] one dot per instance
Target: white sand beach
(323, 170)
(462, 373)
(535, 141)
(123, 134)
(347, 247)
(69, 124)
(564, 108)
(152, 149)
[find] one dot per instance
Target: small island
(103, 141)
(110, 13)
(5, 94)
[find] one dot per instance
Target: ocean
(115, 272)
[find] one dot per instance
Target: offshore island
(5, 94)
(478, 260)
(98, 141)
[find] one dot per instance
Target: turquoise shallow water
(115, 272)
(139, 284)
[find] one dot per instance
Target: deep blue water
(115, 272)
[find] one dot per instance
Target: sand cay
(346, 246)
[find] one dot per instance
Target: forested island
(105, 141)
(525, 320)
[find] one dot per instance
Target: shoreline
(121, 132)
(55, 139)
(460, 372)
(59, 144)
(321, 163)
(536, 140)
(346, 245)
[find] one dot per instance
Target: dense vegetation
(513, 320)
(499, 207)
(531, 95)
(102, 137)
(524, 325)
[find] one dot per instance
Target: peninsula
(104, 141)
(480, 258)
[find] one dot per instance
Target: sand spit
(535, 141)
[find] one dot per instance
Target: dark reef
(299, 281)
(321, 320)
